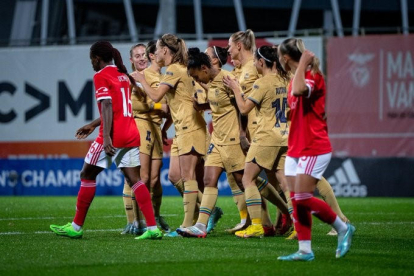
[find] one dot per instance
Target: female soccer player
(190, 127)
(269, 144)
(148, 117)
(117, 141)
(309, 149)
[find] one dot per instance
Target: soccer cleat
(214, 218)
(151, 235)
(298, 256)
(269, 231)
(67, 231)
(253, 231)
(172, 234)
(127, 229)
(162, 224)
(240, 226)
(293, 236)
(191, 232)
(344, 241)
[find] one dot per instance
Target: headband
(258, 51)
(215, 51)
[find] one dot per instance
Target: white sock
(152, 228)
(305, 246)
(201, 226)
(76, 227)
(340, 226)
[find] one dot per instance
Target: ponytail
(177, 48)
(247, 38)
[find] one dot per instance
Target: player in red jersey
(309, 149)
(118, 141)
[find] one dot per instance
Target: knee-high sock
(270, 193)
(207, 205)
(254, 203)
(238, 197)
(127, 198)
(143, 198)
(327, 193)
(179, 185)
(85, 197)
(266, 221)
(156, 197)
(307, 205)
(189, 201)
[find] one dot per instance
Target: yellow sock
(326, 191)
(179, 185)
(189, 201)
(156, 197)
(126, 197)
(207, 205)
(254, 204)
(238, 197)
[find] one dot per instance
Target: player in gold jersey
(269, 143)
(190, 127)
(148, 117)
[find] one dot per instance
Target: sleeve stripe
(103, 98)
(166, 83)
(253, 100)
(309, 90)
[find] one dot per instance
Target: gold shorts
(267, 157)
(151, 138)
(194, 140)
(174, 147)
(229, 157)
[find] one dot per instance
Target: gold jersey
(236, 72)
(180, 99)
(269, 93)
(224, 114)
(199, 93)
(247, 77)
(153, 79)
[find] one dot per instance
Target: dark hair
(151, 47)
(268, 54)
(196, 59)
(220, 53)
(107, 53)
(177, 48)
(294, 47)
(279, 68)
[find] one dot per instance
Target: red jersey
(308, 134)
(113, 85)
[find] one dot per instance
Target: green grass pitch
(383, 244)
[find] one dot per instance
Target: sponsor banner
(373, 177)
(62, 177)
(46, 93)
(370, 103)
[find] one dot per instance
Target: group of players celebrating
(268, 114)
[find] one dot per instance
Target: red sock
(322, 210)
(85, 197)
(303, 216)
(143, 198)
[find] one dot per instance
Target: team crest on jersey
(217, 92)
(169, 73)
(246, 76)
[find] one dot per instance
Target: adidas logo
(345, 181)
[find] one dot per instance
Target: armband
(157, 106)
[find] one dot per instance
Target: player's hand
(108, 147)
(231, 83)
(307, 57)
(244, 143)
(84, 131)
(164, 137)
(139, 77)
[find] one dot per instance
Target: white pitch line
(47, 218)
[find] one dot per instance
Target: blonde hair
(177, 48)
(246, 38)
(132, 50)
(294, 47)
